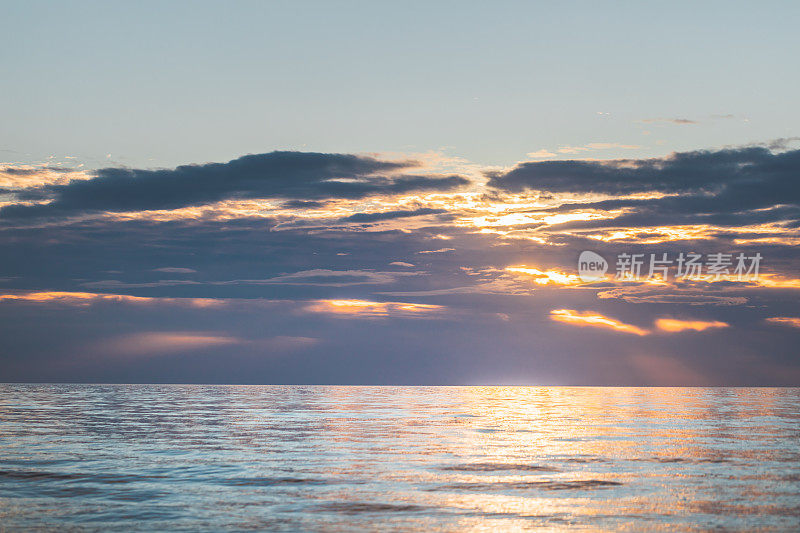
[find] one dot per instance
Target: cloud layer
(287, 175)
(290, 267)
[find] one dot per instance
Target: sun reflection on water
(406, 458)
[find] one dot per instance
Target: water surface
(314, 458)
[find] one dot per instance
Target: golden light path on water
(314, 458)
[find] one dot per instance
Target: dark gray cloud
(390, 215)
(747, 168)
(726, 187)
(291, 175)
(303, 204)
(17, 171)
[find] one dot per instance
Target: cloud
(344, 308)
(16, 177)
(369, 309)
(502, 285)
(731, 187)
(439, 251)
(89, 298)
(596, 146)
(596, 320)
(319, 277)
(546, 277)
(675, 121)
(330, 278)
(252, 280)
(541, 154)
(287, 175)
(785, 321)
(680, 172)
(30, 171)
(68, 297)
(672, 325)
(155, 343)
(303, 204)
(390, 215)
(781, 143)
(669, 294)
(147, 344)
(116, 284)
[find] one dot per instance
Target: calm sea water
(308, 458)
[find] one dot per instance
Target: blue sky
(160, 84)
(354, 192)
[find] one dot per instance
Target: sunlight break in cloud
(594, 319)
(547, 277)
(672, 325)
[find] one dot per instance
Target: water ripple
(307, 458)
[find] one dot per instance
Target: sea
(363, 458)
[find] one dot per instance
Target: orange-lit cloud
(367, 309)
(547, 277)
(22, 176)
(785, 321)
(774, 281)
(70, 297)
(672, 325)
(344, 308)
(594, 319)
(88, 298)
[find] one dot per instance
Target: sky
(399, 193)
